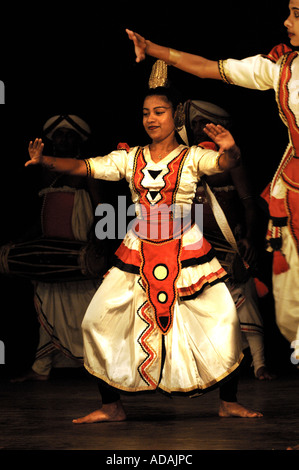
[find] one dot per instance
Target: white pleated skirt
(124, 347)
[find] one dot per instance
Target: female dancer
(163, 318)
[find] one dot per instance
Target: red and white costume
(162, 318)
(279, 71)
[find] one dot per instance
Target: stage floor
(38, 416)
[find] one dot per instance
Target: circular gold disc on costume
(160, 272)
(162, 297)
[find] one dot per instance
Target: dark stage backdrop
(76, 58)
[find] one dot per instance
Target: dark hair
(171, 94)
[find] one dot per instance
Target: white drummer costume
(67, 214)
(279, 70)
(61, 305)
(163, 318)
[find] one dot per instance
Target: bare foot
(230, 409)
(111, 412)
(30, 375)
(263, 374)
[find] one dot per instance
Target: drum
(53, 260)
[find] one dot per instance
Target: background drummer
(67, 213)
(234, 194)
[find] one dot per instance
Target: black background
(76, 58)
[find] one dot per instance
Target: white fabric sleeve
(205, 160)
(111, 167)
(257, 72)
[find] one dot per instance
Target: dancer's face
(158, 119)
(292, 23)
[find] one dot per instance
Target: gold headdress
(158, 75)
(158, 78)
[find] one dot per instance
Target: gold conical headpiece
(158, 75)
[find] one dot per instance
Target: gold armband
(223, 72)
(218, 167)
(174, 57)
(89, 168)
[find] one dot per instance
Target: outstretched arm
(228, 149)
(70, 166)
(194, 64)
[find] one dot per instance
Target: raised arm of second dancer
(194, 64)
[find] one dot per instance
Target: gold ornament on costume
(158, 75)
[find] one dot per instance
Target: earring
(179, 117)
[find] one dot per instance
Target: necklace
(161, 155)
